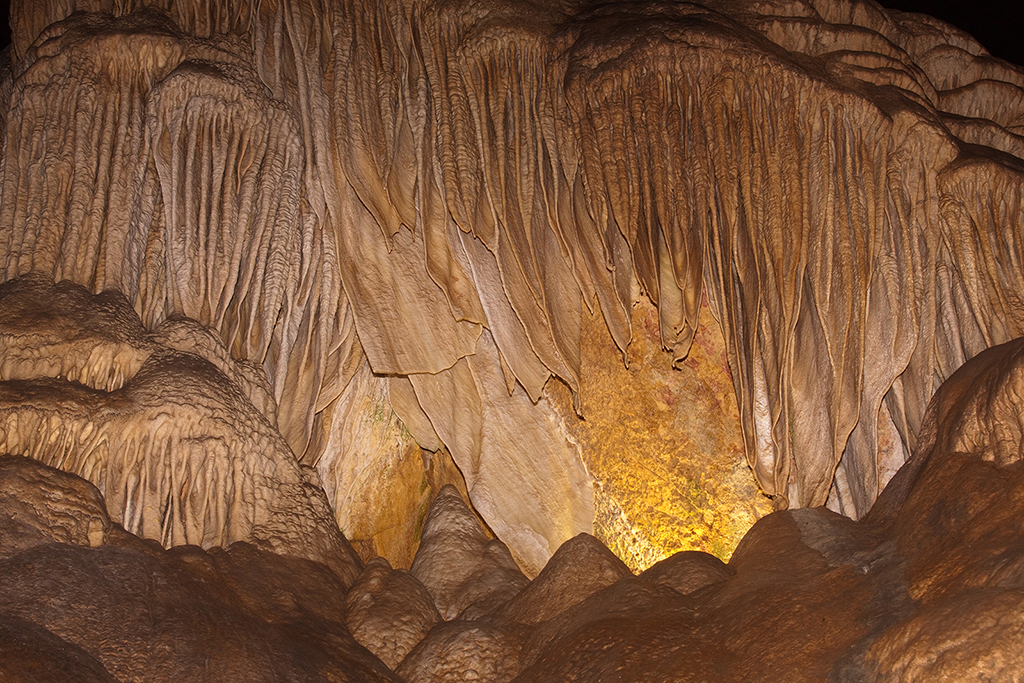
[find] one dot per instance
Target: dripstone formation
(305, 304)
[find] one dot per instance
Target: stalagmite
(467, 574)
(389, 611)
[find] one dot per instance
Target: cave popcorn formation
(282, 272)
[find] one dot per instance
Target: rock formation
(179, 452)
(276, 273)
(926, 587)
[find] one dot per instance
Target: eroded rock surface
(46, 506)
(927, 588)
(426, 200)
(389, 611)
(467, 573)
(449, 190)
(582, 566)
(687, 571)
(460, 650)
(176, 448)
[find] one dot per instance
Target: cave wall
(450, 192)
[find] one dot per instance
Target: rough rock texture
(663, 444)
(440, 206)
(31, 654)
(467, 573)
(456, 651)
(41, 506)
(687, 572)
(115, 607)
(377, 477)
(389, 611)
(170, 175)
(928, 587)
(955, 517)
(178, 451)
(582, 566)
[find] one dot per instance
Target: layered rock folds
(447, 188)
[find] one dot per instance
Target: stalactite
(447, 186)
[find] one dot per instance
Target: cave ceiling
(308, 230)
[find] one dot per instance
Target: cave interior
(433, 341)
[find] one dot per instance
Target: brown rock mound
(467, 573)
(133, 611)
(389, 611)
(581, 566)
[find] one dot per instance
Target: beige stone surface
(321, 182)
(524, 475)
(974, 636)
(48, 506)
(467, 573)
(452, 207)
(176, 448)
(378, 479)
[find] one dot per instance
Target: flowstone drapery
(447, 190)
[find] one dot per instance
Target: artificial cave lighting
(502, 340)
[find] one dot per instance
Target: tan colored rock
(389, 611)
(177, 449)
(188, 336)
(42, 505)
(664, 444)
(954, 507)
(312, 179)
(627, 631)
(524, 475)
(468, 574)
(377, 478)
(792, 602)
(452, 188)
(456, 651)
(978, 635)
(687, 571)
(254, 263)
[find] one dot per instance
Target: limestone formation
(468, 574)
(447, 188)
(109, 606)
(178, 451)
(687, 572)
(459, 650)
(389, 611)
(520, 281)
(582, 566)
(30, 653)
(46, 506)
(927, 587)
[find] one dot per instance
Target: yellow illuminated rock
(664, 445)
(378, 479)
